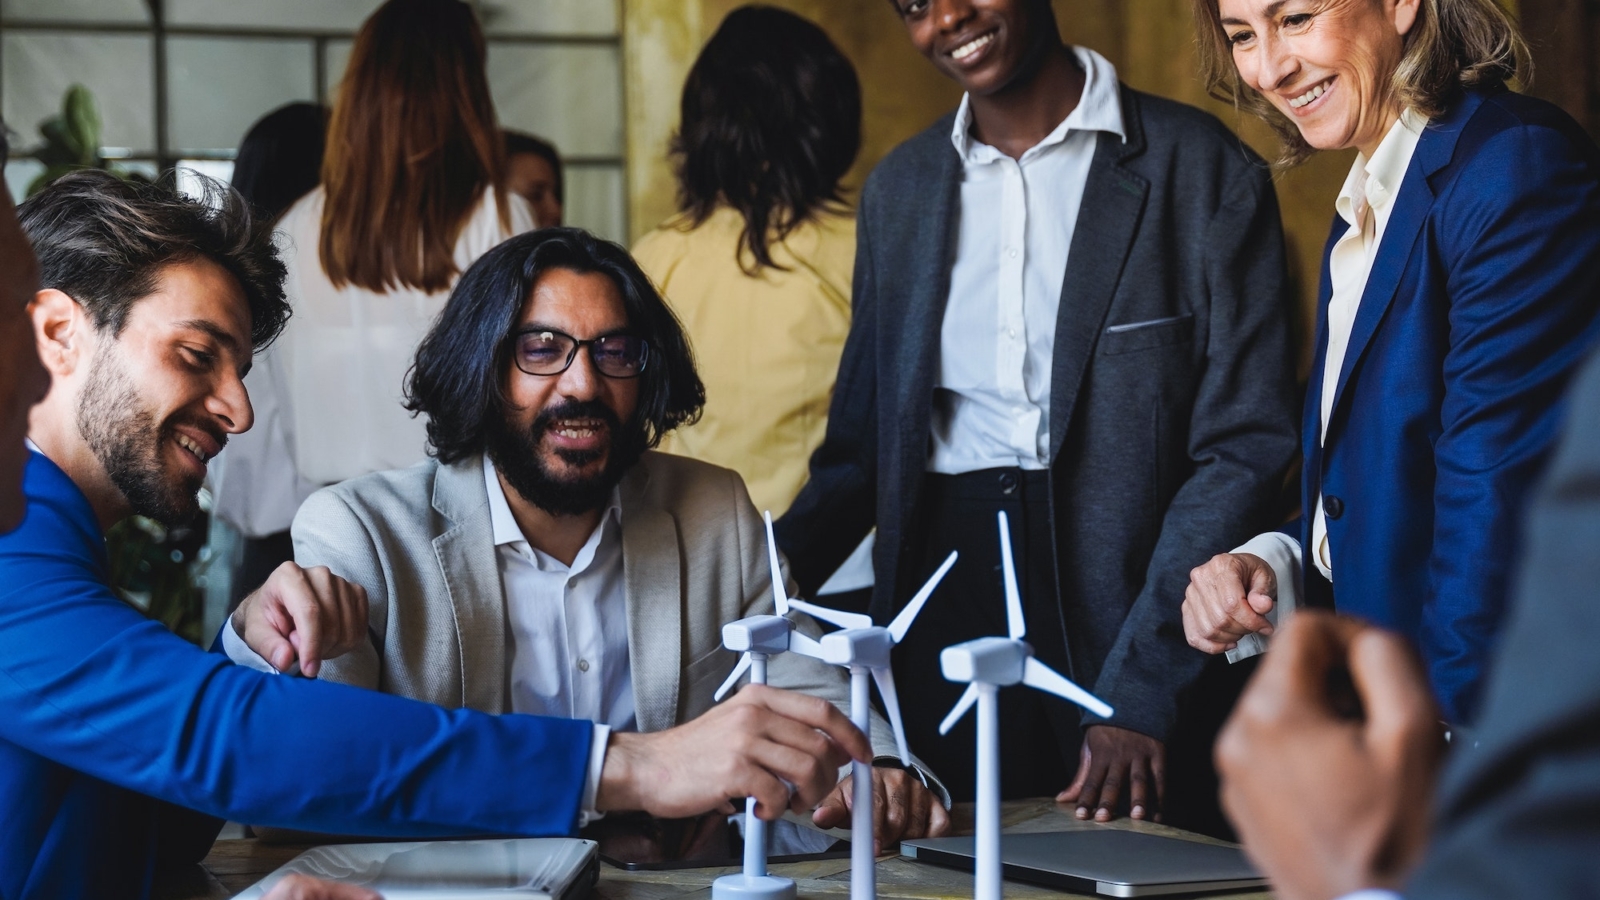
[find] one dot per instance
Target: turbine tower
(864, 648)
(986, 665)
(759, 638)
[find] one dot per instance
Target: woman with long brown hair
(411, 194)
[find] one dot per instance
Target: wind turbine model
(864, 648)
(758, 638)
(988, 664)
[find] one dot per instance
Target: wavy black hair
(458, 376)
(103, 242)
(771, 121)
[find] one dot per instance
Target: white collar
(1099, 109)
(1377, 180)
(506, 529)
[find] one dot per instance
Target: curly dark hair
(771, 121)
(104, 241)
(457, 379)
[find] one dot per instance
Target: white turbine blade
(891, 705)
(902, 622)
(1017, 626)
(960, 709)
(734, 676)
(1036, 674)
(832, 616)
(780, 598)
(804, 645)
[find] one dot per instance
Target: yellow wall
(1151, 42)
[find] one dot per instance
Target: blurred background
(176, 83)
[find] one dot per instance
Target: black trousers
(1039, 733)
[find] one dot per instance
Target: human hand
(747, 747)
(1228, 597)
(301, 887)
(304, 615)
(1331, 793)
(1112, 759)
(903, 808)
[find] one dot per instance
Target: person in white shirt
(1070, 305)
(547, 561)
(411, 194)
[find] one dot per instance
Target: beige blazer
(420, 541)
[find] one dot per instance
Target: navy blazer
(112, 730)
(1479, 307)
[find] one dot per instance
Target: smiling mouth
(578, 429)
(194, 449)
(1316, 91)
(970, 48)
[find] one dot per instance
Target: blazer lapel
(652, 573)
(1113, 202)
(1411, 206)
(925, 239)
(471, 571)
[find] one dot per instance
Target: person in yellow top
(757, 262)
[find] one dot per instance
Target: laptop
(1105, 861)
(531, 868)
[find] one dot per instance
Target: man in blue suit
(120, 743)
(1460, 291)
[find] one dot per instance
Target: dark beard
(122, 433)
(516, 456)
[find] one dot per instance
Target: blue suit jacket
(1480, 305)
(112, 730)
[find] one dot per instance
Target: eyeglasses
(541, 351)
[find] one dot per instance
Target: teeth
(192, 447)
(973, 46)
(1309, 96)
(578, 429)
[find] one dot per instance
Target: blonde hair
(1454, 44)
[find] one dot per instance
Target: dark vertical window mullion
(158, 32)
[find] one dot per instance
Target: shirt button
(1012, 253)
(583, 665)
(1012, 334)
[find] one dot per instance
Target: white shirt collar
(1376, 181)
(1098, 109)
(506, 529)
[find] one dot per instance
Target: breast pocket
(1129, 337)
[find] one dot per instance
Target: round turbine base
(740, 886)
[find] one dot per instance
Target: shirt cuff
(240, 652)
(591, 785)
(1372, 894)
(1282, 553)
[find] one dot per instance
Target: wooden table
(235, 865)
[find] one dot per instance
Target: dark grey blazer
(1173, 412)
(1520, 814)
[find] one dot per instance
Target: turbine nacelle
(868, 647)
(758, 634)
(991, 660)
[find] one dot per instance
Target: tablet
(1106, 861)
(522, 868)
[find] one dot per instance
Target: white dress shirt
(992, 389)
(1365, 203)
(568, 627)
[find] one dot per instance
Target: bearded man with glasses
(546, 560)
